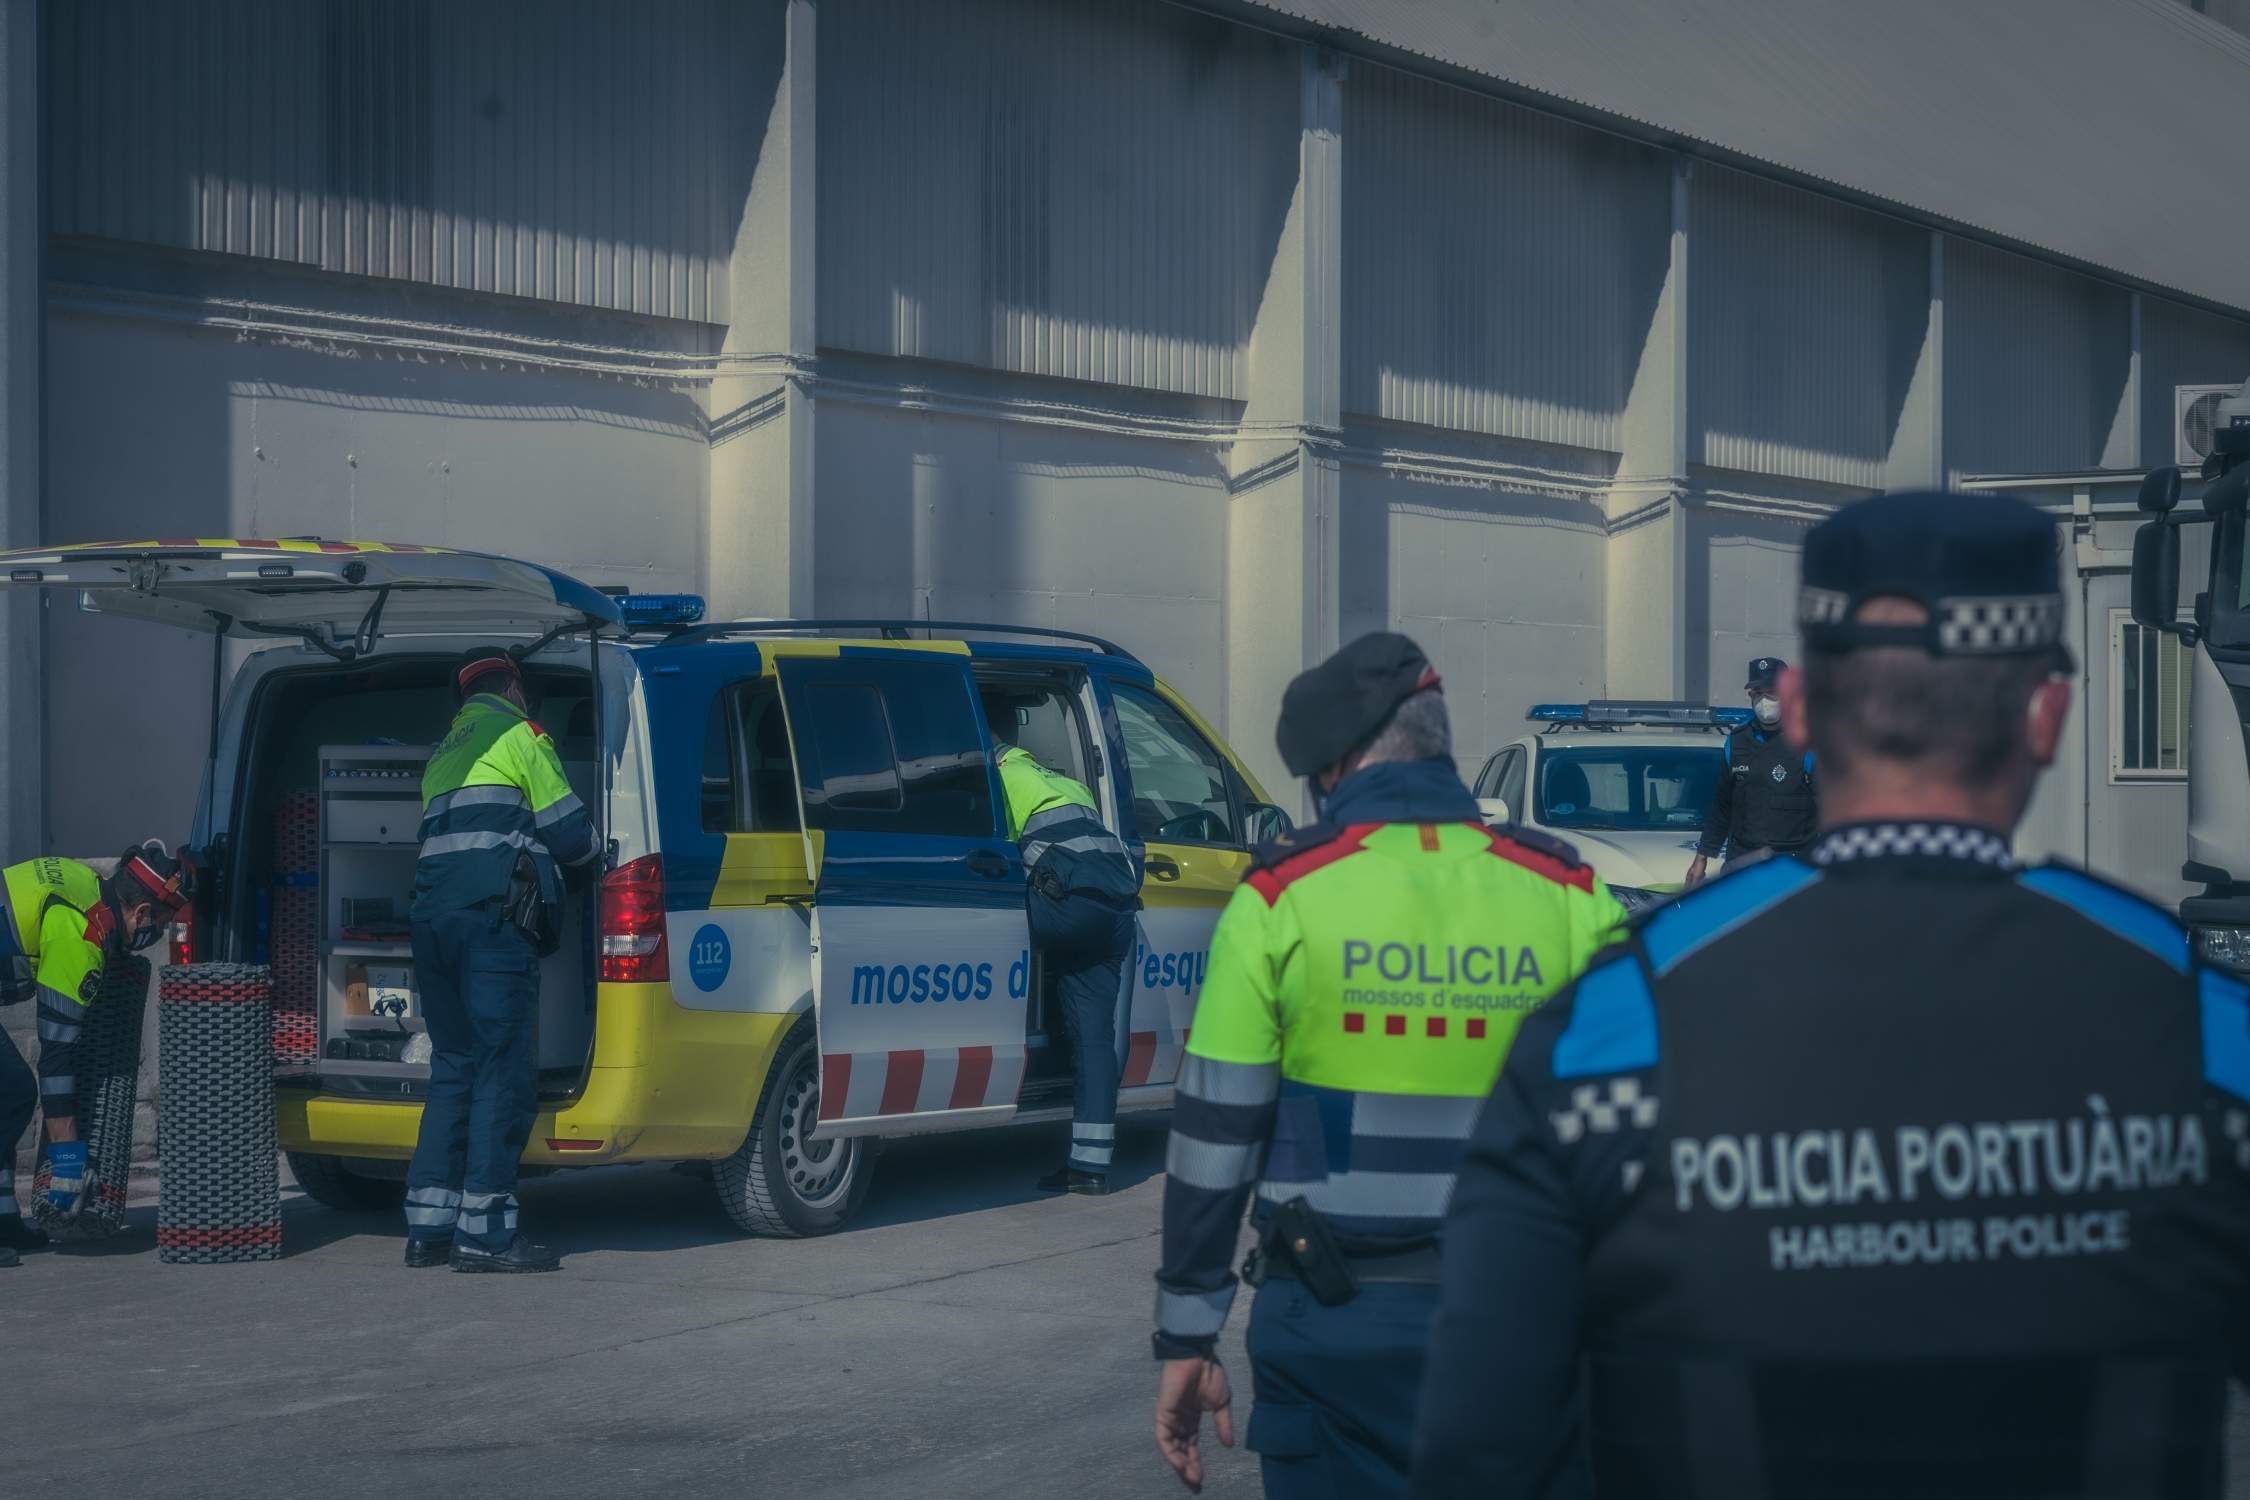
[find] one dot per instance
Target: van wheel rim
(819, 1173)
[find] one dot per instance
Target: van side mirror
(2156, 576)
(1493, 810)
(1263, 823)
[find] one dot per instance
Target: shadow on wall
(600, 478)
(1741, 597)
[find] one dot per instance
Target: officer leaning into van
(498, 817)
(1366, 981)
(64, 923)
(1893, 1169)
(1765, 801)
(1082, 892)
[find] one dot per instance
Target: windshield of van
(1627, 786)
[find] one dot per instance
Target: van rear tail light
(632, 923)
(181, 936)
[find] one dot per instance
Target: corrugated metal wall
(1089, 189)
(2036, 361)
(1500, 267)
(573, 150)
(2180, 346)
(1805, 320)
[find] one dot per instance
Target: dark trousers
(1085, 941)
(1334, 1388)
(477, 980)
(19, 1096)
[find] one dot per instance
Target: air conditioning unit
(2195, 416)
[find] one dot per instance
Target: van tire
(331, 1182)
(764, 1185)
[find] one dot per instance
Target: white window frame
(2119, 772)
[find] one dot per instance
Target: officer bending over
(1365, 983)
(64, 924)
(498, 817)
(1764, 800)
(1082, 891)
(1895, 1169)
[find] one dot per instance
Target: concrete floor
(967, 1337)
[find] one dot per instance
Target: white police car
(1627, 782)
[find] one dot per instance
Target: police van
(1626, 781)
(808, 931)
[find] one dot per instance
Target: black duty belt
(1417, 1266)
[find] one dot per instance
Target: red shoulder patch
(538, 729)
(1271, 880)
(100, 923)
(1539, 861)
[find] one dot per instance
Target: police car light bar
(645, 611)
(1618, 713)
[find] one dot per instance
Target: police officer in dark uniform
(1895, 1168)
(1764, 800)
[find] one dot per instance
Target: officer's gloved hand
(66, 1175)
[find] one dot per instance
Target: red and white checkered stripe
(863, 1085)
(1153, 1057)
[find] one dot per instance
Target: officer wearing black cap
(1892, 1169)
(1364, 985)
(1764, 801)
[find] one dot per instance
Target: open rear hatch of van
(321, 788)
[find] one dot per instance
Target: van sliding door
(921, 956)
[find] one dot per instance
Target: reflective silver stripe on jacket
(1427, 1116)
(432, 1207)
(1104, 842)
(463, 843)
(1193, 1315)
(568, 805)
(1208, 1165)
(1230, 1083)
(1370, 1195)
(61, 1083)
(474, 796)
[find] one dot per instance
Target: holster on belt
(527, 907)
(1299, 1244)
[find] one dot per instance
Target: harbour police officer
(1765, 800)
(1896, 1168)
(1082, 891)
(498, 819)
(1365, 983)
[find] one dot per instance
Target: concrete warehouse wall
(1112, 314)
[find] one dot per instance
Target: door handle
(1162, 866)
(988, 864)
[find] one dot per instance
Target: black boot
(421, 1255)
(520, 1257)
(15, 1234)
(9, 1258)
(1068, 1179)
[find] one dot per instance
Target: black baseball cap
(1985, 567)
(1763, 671)
(1332, 710)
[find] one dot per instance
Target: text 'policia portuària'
(2094, 1153)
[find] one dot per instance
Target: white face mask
(1768, 711)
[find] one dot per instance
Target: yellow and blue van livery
(809, 925)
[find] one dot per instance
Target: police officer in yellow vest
(64, 923)
(1365, 984)
(1082, 891)
(498, 819)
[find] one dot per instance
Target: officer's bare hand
(1695, 870)
(1185, 1390)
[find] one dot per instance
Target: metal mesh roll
(109, 1074)
(220, 1196)
(294, 935)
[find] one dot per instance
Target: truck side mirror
(2156, 576)
(2160, 491)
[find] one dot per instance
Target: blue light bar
(1732, 718)
(1603, 713)
(642, 610)
(1557, 713)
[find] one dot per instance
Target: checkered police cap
(1985, 567)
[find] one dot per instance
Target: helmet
(149, 872)
(475, 666)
